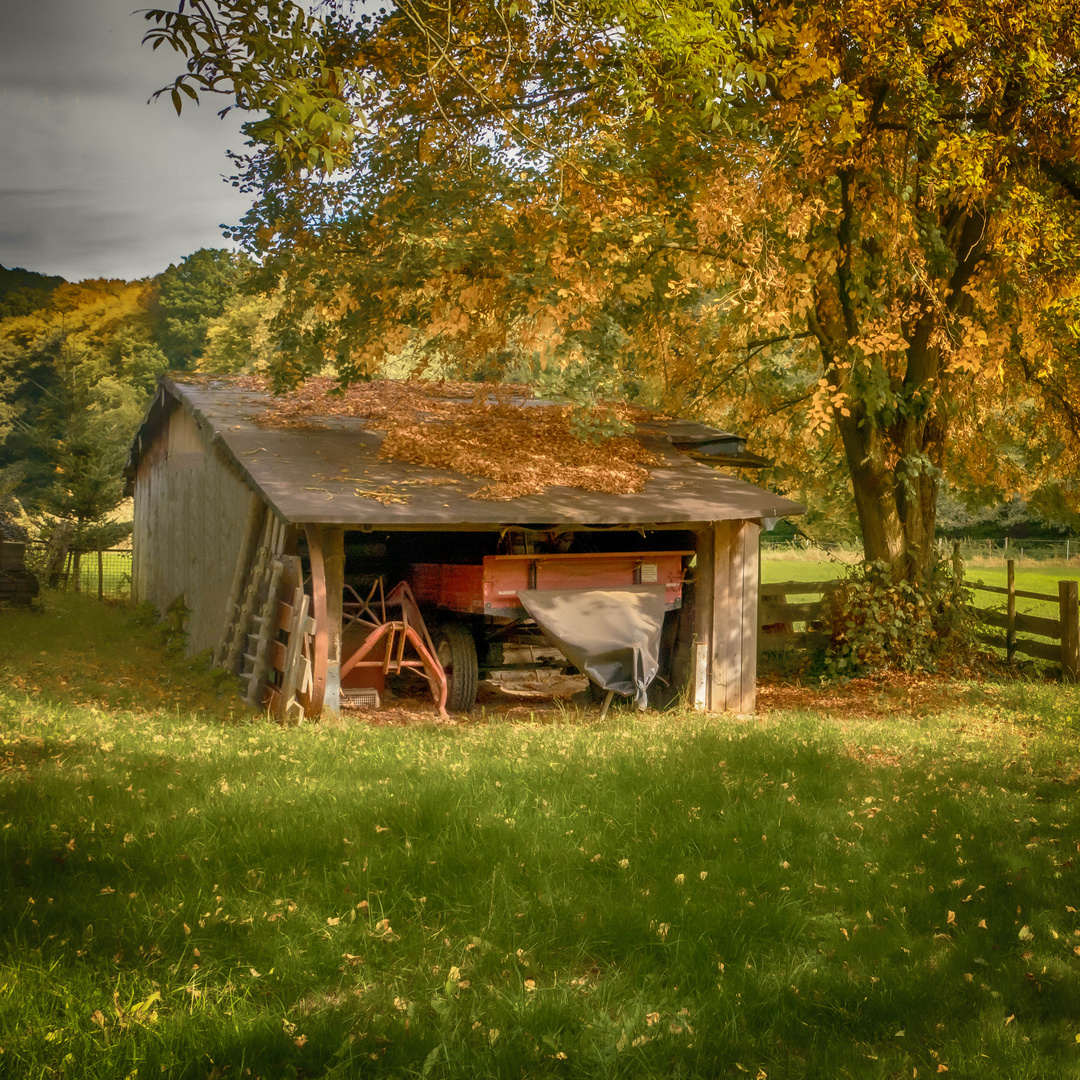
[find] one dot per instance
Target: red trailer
(470, 611)
(476, 609)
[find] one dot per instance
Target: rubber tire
(456, 650)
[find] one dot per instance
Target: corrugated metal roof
(316, 474)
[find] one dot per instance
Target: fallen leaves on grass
(872, 697)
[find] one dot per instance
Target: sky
(95, 182)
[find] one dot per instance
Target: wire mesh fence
(103, 573)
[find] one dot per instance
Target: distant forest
(79, 363)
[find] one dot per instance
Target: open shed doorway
(463, 588)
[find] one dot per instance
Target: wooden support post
(1010, 613)
(724, 676)
(1070, 631)
(749, 542)
(326, 549)
(703, 618)
(100, 571)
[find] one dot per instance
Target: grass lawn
(878, 881)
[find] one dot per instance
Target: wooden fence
(17, 584)
(796, 628)
(778, 638)
(1064, 631)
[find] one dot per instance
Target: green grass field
(833, 891)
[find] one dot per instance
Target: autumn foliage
(851, 229)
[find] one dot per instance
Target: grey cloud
(93, 181)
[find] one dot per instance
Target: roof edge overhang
(172, 392)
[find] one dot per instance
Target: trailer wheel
(456, 650)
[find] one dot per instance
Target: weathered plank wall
(726, 618)
(190, 517)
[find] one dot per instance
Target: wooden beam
(1070, 631)
(726, 621)
(749, 545)
(326, 549)
(703, 617)
(1010, 614)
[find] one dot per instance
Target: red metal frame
(319, 613)
(370, 614)
(396, 634)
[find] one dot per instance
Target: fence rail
(1064, 631)
(778, 618)
(799, 627)
(997, 550)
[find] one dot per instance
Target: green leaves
(881, 621)
(852, 230)
(269, 58)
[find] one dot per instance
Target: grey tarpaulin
(612, 635)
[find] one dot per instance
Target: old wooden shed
(285, 544)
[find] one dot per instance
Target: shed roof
(330, 472)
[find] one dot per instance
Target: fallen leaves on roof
(495, 432)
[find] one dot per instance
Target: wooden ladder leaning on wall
(257, 616)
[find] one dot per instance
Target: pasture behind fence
(792, 628)
(998, 550)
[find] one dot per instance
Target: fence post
(1010, 628)
(1070, 631)
(100, 572)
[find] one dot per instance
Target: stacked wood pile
(17, 584)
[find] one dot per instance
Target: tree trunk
(896, 502)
